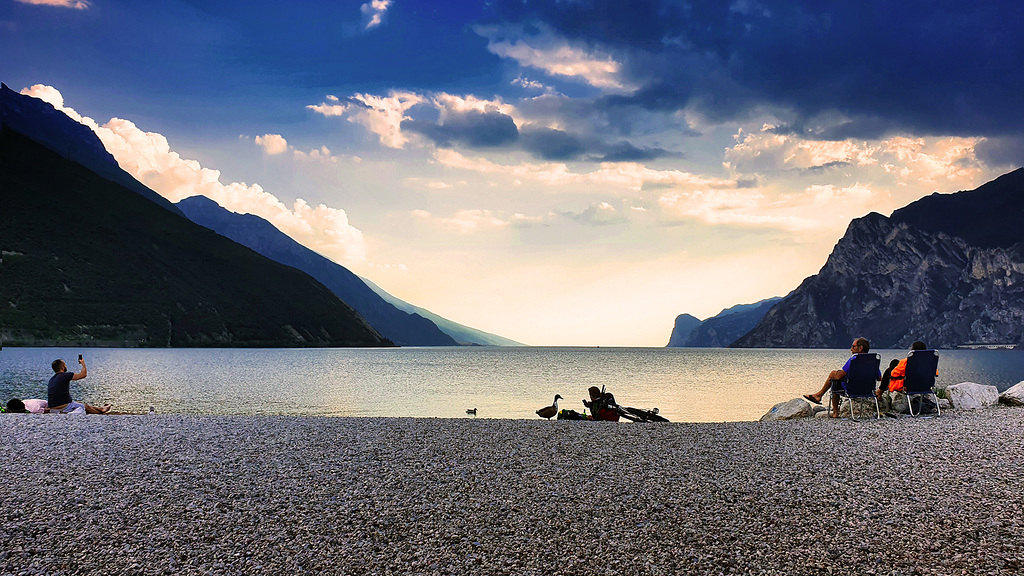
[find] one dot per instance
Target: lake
(686, 384)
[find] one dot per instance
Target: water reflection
(695, 385)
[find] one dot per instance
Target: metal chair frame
(860, 382)
(920, 377)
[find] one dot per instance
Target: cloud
(148, 157)
(374, 13)
(598, 214)
(907, 159)
(546, 51)
(272, 144)
(381, 115)
(552, 144)
(73, 4)
(466, 222)
(919, 67)
(477, 129)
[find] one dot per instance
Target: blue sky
(565, 173)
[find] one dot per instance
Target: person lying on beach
(859, 346)
(58, 390)
(33, 406)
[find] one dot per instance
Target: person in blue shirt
(859, 346)
(58, 390)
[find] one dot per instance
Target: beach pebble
(173, 494)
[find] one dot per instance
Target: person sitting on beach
(899, 373)
(886, 377)
(58, 391)
(859, 346)
(600, 405)
(33, 406)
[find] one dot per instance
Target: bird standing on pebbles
(549, 411)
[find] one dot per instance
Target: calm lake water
(686, 384)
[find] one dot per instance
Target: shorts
(72, 408)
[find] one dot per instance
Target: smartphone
(79, 356)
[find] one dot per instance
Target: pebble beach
(175, 494)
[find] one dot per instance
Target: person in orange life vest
(899, 373)
(859, 346)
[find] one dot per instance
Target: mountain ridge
(263, 237)
(901, 278)
(125, 271)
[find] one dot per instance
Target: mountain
(722, 329)
(256, 233)
(73, 140)
(88, 261)
(462, 334)
(731, 323)
(947, 269)
(684, 324)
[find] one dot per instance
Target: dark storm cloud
(918, 65)
(551, 144)
(1001, 151)
(472, 128)
(626, 152)
(557, 145)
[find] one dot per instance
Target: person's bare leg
(817, 396)
(94, 410)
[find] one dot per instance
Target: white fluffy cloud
(148, 157)
(909, 160)
(555, 55)
(374, 13)
(272, 144)
(381, 115)
(73, 4)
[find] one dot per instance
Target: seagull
(549, 411)
(471, 411)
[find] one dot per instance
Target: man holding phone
(58, 390)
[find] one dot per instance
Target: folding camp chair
(922, 366)
(860, 382)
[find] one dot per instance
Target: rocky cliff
(684, 324)
(900, 279)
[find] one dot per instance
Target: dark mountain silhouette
(256, 233)
(73, 140)
(947, 269)
(87, 261)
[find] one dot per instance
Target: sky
(560, 172)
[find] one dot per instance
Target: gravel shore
(169, 494)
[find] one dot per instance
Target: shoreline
(292, 494)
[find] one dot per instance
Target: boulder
(898, 402)
(865, 408)
(1014, 396)
(795, 408)
(970, 395)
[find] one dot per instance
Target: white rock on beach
(795, 408)
(1014, 396)
(970, 395)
